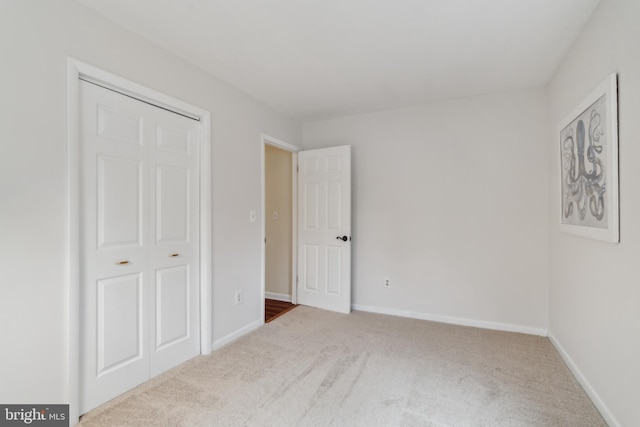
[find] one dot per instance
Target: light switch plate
(252, 216)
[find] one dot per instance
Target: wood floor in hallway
(274, 309)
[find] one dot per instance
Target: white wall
(450, 201)
(37, 36)
(278, 231)
(595, 286)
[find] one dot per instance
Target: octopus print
(584, 186)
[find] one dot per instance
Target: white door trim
(278, 143)
(75, 70)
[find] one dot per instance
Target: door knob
(343, 238)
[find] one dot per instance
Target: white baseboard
(582, 380)
(277, 297)
(237, 334)
(453, 320)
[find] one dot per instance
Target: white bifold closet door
(140, 227)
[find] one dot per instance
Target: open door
(324, 228)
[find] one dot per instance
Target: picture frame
(588, 139)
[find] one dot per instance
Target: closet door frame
(75, 71)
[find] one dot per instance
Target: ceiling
(319, 59)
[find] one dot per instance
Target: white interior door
(324, 228)
(139, 261)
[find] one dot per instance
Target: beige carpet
(315, 368)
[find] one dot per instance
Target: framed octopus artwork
(589, 166)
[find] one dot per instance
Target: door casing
(75, 70)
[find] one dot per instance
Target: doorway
(279, 162)
(278, 225)
(321, 225)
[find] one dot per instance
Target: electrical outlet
(238, 297)
(387, 282)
